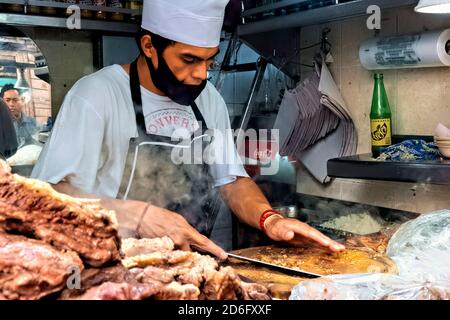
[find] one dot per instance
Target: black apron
(154, 170)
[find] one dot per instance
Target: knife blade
(292, 271)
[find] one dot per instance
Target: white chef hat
(194, 22)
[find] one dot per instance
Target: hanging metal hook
(325, 45)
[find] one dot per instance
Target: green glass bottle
(380, 117)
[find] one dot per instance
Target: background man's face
(14, 102)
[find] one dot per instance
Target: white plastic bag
(376, 286)
(421, 250)
(422, 246)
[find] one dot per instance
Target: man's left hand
(296, 232)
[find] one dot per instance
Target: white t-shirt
(89, 143)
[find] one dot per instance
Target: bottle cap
(378, 76)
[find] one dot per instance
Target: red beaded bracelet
(265, 215)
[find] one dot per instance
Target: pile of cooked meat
(152, 268)
(58, 247)
(34, 209)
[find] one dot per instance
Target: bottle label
(381, 132)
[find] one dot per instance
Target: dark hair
(8, 138)
(8, 87)
(160, 43)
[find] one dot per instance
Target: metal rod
(243, 67)
(226, 61)
(262, 65)
(320, 15)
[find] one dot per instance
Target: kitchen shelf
(365, 167)
(273, 6)
(57, 22)
(64, 5)
(26, 19)
(20, 2)
(313, 16)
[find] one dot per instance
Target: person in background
(24, 125)
(8, 139)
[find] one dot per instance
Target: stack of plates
(315, 125)
(443, 143)
(442, 140)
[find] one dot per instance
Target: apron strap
(135, 87)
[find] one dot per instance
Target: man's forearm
(246, 200)
(127, 212)
(142, 219)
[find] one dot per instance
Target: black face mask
(165, 80)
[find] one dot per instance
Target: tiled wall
(419, 98)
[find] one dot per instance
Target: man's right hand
(158, 222)
(155, 222)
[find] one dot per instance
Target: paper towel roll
(428, 49)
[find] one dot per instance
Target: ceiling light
(21, 81)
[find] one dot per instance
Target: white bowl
(445, 151)
(441, 138)
(443, 143)
(442, 131)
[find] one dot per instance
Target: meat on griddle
(36, 210)
(32, 269)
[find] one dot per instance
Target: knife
(296, 272)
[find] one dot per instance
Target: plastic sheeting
(421, 250)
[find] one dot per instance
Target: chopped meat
(32, 269)
(94, 277)
(190, 267)
(120, 291)
(34, 209)
(151, 273)
(254, 291)
(197, 271)
(377, 242)
(134, 247)
(177, 291)
(157, 258)
(179, 272)
(223, 285)
(163, 277)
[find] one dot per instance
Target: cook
(130, 134)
